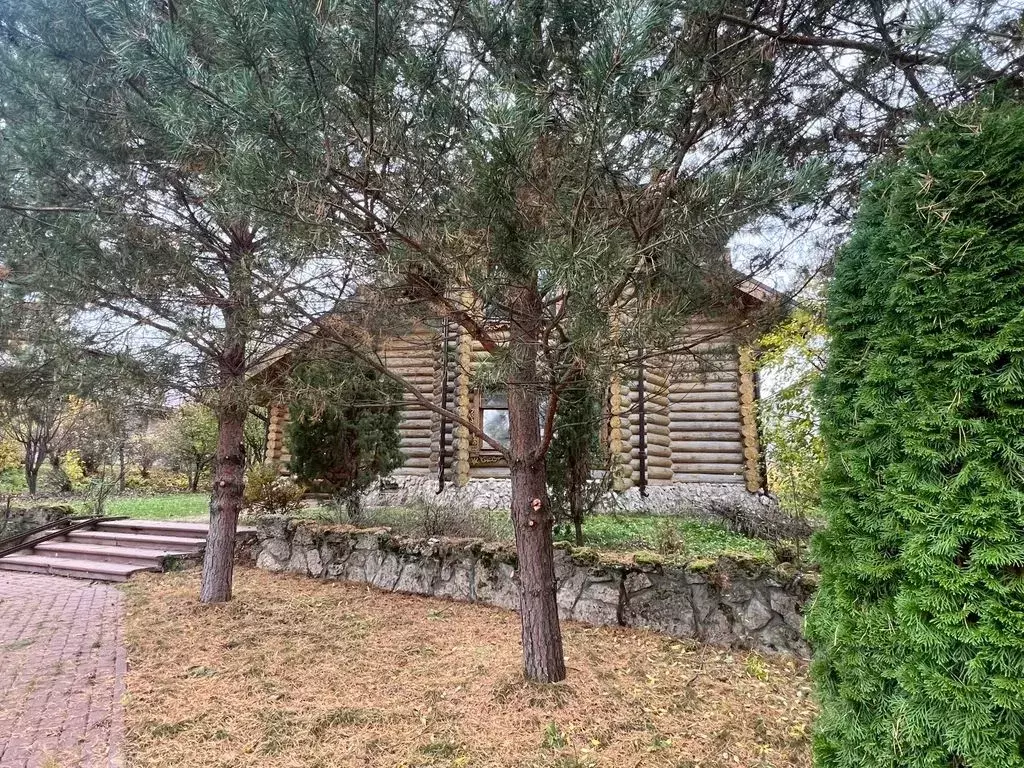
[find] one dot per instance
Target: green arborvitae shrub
(575, 452)
(918, 629)
(343, 428)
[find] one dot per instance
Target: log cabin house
(677, 426)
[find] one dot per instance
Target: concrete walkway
(62, 665)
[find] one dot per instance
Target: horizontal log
(705, 383)
(651, 399)
(418, 454)
(657, 431)
(416, 441)
(713, 446)
(683, 419)
(653, 473)
(653, 449)
(710, 469)
(700, 477)
(727, 435)
(708, 457)
(729, 395)
(418, 462)
(655, 380)
(708, 346)
(418, 422)
(708, 362)
(651, 419)
(664, 462)
(714, 425)
(482, 472)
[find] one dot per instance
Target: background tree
(50, 378)
(872, 72)
(188, 441)
(257, 424)
(791, 359)
(918, 628)
(343, 428)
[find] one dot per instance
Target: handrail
(67, 525)
(5, 543)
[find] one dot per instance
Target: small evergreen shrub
(576, 450)
(918, 628)
(343, 429)
(268, 492)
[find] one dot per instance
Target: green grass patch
(172, 506)
(668, 535)
(675, 538)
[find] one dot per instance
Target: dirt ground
(297, 672)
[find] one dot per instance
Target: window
(494, 417)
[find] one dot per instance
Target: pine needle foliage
(918, 628)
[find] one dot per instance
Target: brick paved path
(62, 664)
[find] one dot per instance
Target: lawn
(298, 672)
(174, 506)
(675, 537)
(669, 535)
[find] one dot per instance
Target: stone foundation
(753, 514)
(722, 602)
(680, 498)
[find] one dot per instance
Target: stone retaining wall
(18, 518)
(722, 602)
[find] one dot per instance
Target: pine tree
(918, 629)
(118, 202)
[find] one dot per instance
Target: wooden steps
(103, 537)
(123, 554)
(111, 551)
(95, 570)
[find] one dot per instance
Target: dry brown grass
(296, 672)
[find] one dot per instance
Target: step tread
(189, 545)
(186, 529)
(106, 550)
(70, 564)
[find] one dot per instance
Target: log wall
(277, 448)
(414, 357)
(698, 413)
(704, 408)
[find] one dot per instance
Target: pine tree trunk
(225, 505)
(543, 659)
(228, 463)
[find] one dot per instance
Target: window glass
(495, 417)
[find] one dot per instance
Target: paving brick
(62, 665)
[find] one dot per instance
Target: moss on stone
(648, 558)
